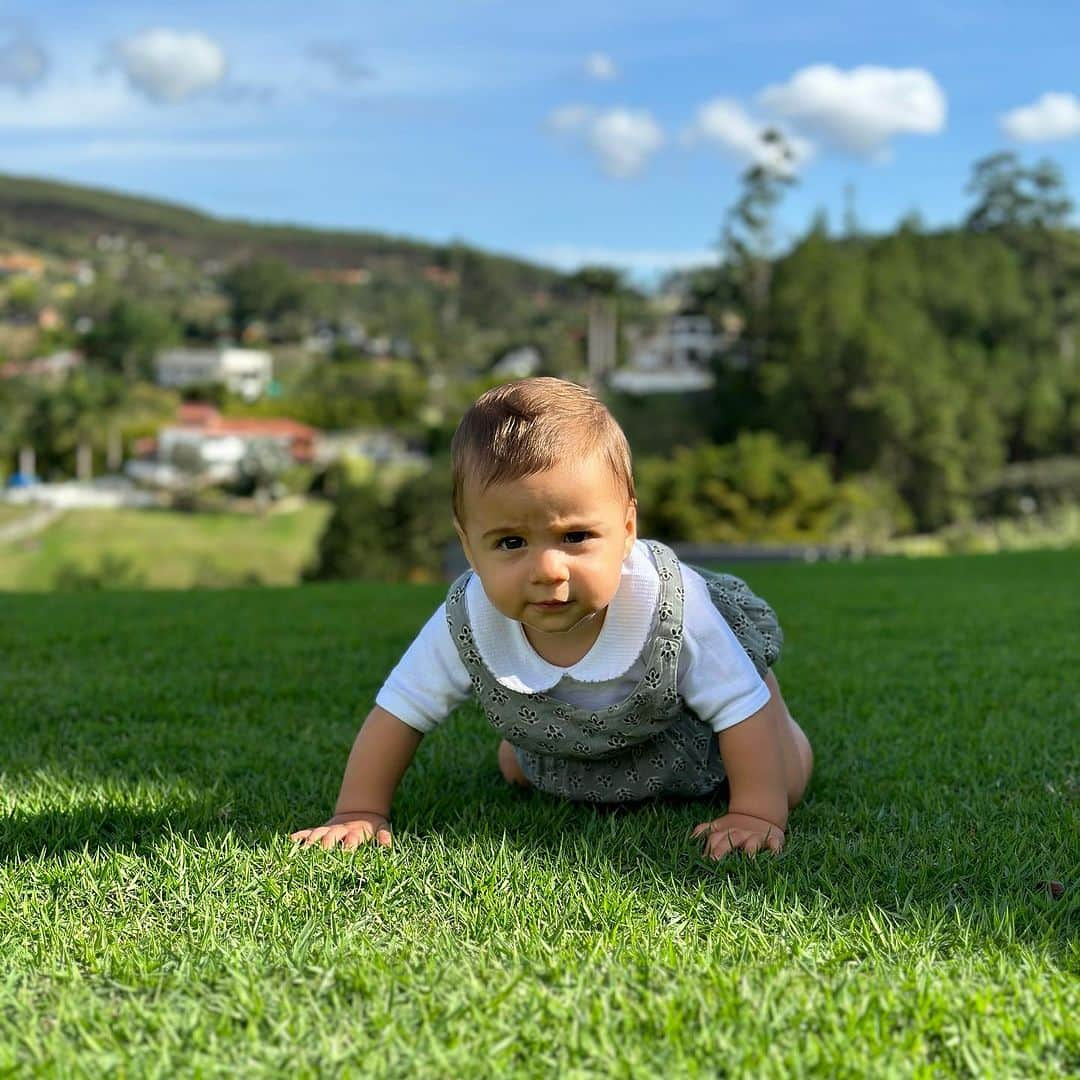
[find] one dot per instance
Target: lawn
(155, 920)
(11, 512)
(163, 550)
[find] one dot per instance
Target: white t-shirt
(716, 678)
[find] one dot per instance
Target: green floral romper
(650, 743)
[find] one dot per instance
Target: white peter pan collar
(506, 651)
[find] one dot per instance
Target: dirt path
(29, 525)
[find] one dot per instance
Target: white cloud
(601, 67)
(622, 139)
(71, 104)
(1053, 116)
(61, 155)
(725, 124)
(190, 150)
(860, 110)
(23, 63)
(168, 66)
(570, 118)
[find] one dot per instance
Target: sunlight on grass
(165, 550)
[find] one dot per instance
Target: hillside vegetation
(50, 213)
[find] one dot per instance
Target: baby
(612, 671)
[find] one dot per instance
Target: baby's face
(549, 548)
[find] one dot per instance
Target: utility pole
(601, 340)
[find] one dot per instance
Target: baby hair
(528, 426)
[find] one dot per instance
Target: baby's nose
(550, 565)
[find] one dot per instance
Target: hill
(66, 218)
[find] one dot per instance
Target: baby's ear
(631, 528)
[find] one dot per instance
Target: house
(676, 359)
(220, 443)
(380, 446)
(15, 263)
(519, 363)
(46, 369)
(246, 372)
(48, 318)
(351, 275)
(441, 277)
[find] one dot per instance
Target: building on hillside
(520, 363)
(381, 446)
(45, 369)
(219, 443)
(20, 263)
(676, 359)
(349, 275)
(48, 318)
(246, 372)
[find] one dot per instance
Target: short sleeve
(717, 679)
(430, 680)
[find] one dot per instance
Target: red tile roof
(200, 415)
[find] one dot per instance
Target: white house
(246, 372)
(675, 359)
(378, 445)
(519, 363)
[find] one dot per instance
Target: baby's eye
(510, 543)
(578, 537)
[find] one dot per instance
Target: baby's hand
(348, 830)
(735, 832)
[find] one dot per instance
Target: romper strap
(457, 617)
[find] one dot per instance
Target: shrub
(383, 532)
(757, 489)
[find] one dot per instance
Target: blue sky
(566, 132)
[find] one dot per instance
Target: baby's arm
(426, 685)
(768, 762)
(758, 804)
(382, 751)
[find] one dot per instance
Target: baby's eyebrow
(502, 529)
(570, 525)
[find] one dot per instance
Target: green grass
(164, 550)
(155, 920)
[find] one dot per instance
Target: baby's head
(529, 426)
(544, 500)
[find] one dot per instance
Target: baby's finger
(704, 827)
(300, 834)
(362, 833)
(312, 836)
(384, 837)
(752, 844)
(721, 842)
(352, 840)
(775, 842)
(334, 835)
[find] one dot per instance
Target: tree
(394, 535)
(127, 338)
(758, 489)
(747, 243)
(262, 288)
(1012, 198)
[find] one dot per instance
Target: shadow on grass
(231, 715)
(859, 855)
